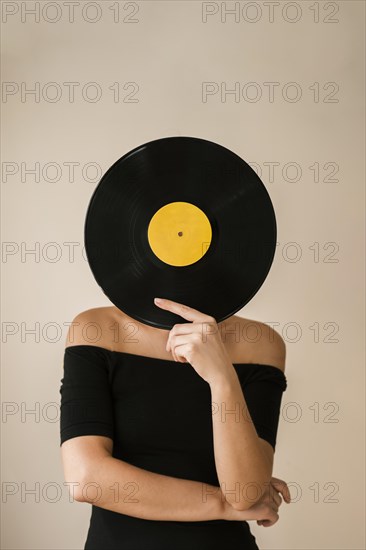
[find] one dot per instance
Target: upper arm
(79, 455)
(277, 358)
(264, 389)
(268, 452)
(86, 409)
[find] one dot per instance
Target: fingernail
(158, 300)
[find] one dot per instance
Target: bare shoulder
(91, 327)
(261, 343)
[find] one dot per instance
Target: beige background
(314, 291)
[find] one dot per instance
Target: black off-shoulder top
(158, 412)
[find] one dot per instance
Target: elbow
(78, 496)
(242, 505)
(82, 491)
(83, 461)
(78, 487)
(89, 487)
(76, 481)
(251, 494)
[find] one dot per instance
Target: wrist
(225, 379)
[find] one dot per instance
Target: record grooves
(182, 218)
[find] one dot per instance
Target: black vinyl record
(181, 218)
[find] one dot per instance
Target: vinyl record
(181, 218)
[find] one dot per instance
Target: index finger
(281, 487)
(184, 311)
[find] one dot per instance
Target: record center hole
(180, 233)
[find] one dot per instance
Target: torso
(246, 340)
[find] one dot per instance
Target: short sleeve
(86, 405)
(263, 389)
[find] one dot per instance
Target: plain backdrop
(281, 84)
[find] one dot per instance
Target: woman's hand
(198, 342)
(265, 511)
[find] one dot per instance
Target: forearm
(241, 464)
(124, 488)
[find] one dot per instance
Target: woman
(172, 455)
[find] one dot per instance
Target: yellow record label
(179, 233)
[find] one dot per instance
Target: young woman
(170, 435)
